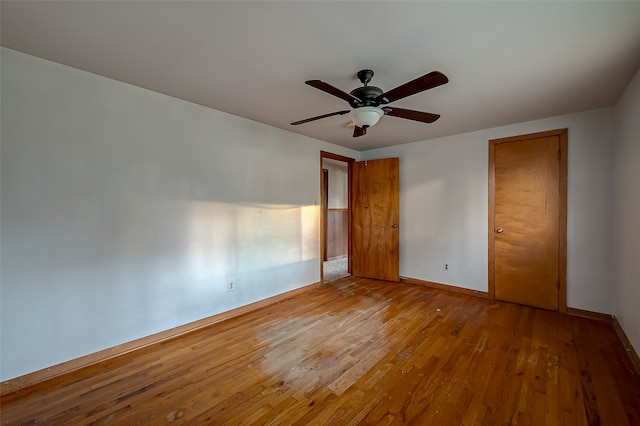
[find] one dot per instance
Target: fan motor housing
(367, 94)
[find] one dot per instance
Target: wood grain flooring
(358, 351)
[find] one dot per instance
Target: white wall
(126, 212)
(444, 206)
(338, 183)
(627, 211)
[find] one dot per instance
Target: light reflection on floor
(306, 360)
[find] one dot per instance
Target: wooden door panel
(526, 222)
(376, 202)
(337, 233)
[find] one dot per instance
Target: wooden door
(527, 256)
(375, 219)
(325, 213)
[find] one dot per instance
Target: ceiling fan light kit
(366, 100)
(366, 116)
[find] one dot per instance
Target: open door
(375, 219)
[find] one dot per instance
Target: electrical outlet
(445, 266)
(231, 286)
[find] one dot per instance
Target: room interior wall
(126, 212)
(338, 183)
(627, 211)
(444, 206)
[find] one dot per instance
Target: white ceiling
(508, 62)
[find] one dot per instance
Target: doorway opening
(335, 223)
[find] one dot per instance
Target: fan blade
(331, 114)
(410, 114)
(326, 87)
(420, 84)
(359, 131)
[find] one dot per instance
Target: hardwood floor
(358, 351)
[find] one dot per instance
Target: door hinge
(365, 163)
(558, 154)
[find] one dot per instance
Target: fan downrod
(366, 94)
(365, 76)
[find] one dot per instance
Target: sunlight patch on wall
(224, 240)
(210, 239)
(310, 228)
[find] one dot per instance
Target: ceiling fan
(366, 100)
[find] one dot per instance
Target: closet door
(528, 222)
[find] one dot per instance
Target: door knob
(500, 230)
(395, 225)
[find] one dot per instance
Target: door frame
(324, 212)
(323, 225)
(562, 209)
